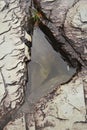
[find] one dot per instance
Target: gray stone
(76, 27)
(67, 22)
(17, 124)
(66, 107)
(47, 68)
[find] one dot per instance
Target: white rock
(27, 53)
(11, 55)
(27, 36)
(13, 89)
(4, 27)
(85, 50)
(2, 4)
(67, 107)
(13, 104)
(71, 101)
(79, 126)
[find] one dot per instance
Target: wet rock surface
(47, 67)
(65, 107)
(59, 109)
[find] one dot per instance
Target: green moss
(36, 16)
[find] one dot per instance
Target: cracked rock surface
(16, 124)
(75, 27)
(65, 108)
(12, 54)
(59, 16)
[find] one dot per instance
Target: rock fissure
(71, 43)
(74, 53)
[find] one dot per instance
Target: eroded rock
(65, 108)
(55, 22)
(76, 28)
(12, 55)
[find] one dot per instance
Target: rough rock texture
(17, 124)
(75, 27)
(56, 14)
(65, 108)
(12, 56)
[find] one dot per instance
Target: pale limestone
(71, 95)
(27, 53)
(64, 109)
(2, 5)
(77, 17)
(12, 89)
(75, 27)
(79, 126)
(27, 36)
(4, 27)
(71, 101)
(17, 124)
(81, 15)
(13, 104)
(12, 56)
